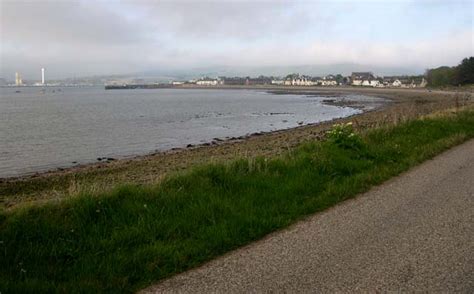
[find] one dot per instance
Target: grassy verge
(135, 235)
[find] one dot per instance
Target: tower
(18, 81)
(42, 75)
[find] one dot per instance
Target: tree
(441, 76)
(457, 75)
(465, 71)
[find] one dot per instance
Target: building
(209, 82)
(404, 81)
(278, 82)
(42, 76)
(317, 80)
(362, 79)
(329, 80)
(299, 80)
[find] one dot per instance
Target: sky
(98, 37)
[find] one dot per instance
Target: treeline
(461, 74)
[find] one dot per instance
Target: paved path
(415, 232)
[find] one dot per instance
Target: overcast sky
(78, 38)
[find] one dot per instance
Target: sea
(46, 128)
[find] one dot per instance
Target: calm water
(61, 127)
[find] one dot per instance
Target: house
(303, 81)
(209, 82)
(375, 83)
(404, 81)
(315, 81)
(278, 82)
(329, 80)
(297, 80)
(206, 83)
(391, 81)
(363, 79)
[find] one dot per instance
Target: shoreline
(216, 141)
(152, 168)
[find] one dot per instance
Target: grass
(136, 235)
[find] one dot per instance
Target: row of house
(362, 79)
(367, 79)
(304, 80)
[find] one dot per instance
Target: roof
(362, 76)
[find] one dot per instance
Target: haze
(79, 38)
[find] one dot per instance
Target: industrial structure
(18, 80)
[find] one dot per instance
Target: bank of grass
(136, 235)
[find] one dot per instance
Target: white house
(303, 81)
(278, 82)
(328, 83)
(357, 82)
(404, 81)
(209, 82)
(363, 79)
(374, 83)
(396, 83)
(329, 80)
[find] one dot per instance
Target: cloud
(241, 20)
(65, 22)
(72, 38)
(429, 52)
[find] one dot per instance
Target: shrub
(343, 136)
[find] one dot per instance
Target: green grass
(135, 235)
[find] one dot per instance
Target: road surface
(413, 233)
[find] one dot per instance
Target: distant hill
(314, 70)
(166, 75)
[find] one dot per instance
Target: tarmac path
(412, 233)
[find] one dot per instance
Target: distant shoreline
(249, 87)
